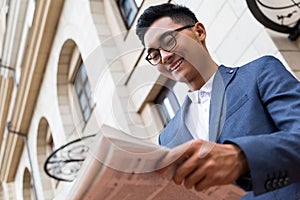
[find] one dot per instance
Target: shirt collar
(206, 88)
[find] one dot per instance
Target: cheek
(184, 44)
(181, 51)
(190, 49)
(161, 69)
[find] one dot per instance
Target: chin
(181, 79)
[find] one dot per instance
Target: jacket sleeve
(274, 158)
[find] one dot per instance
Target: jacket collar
(222, 78)
(227, 73)
(218, 104)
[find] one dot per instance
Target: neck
(203, 76)
(204, 67)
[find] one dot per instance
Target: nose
(166, 56)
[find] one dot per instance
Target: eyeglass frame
(161, 38)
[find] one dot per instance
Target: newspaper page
(121, 167)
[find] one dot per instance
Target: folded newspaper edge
(120, 166)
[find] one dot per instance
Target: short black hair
(179, 15)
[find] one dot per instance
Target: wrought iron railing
(280, 15)
(65, 162)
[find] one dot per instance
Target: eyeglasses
(167, 43)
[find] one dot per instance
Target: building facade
(70, 66)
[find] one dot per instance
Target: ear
(200, 31)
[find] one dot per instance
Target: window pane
(83, 72)
(86, 114)
(87, 88)
(83, 101)
(78, 87)
(130, 18)
(83, 91)
(128, 10)
(138, 3)
(169, 108)
(168, 104)
(91, 101)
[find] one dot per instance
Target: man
(252, 112)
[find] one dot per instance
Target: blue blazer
(257, 107)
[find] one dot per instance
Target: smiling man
(250, 114)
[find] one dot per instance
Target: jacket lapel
(185, 106)
(218, 101)
(181, 134)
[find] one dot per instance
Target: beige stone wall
(289, 50)
(87, 31)
(9, 191)
(2, 28)
(81, 29)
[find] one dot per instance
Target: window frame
(82, 92)
(125, 16)
(167, 93)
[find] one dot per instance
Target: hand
(222, 165)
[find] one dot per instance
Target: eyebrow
(167, 33)
(150, 49)
(160, 39)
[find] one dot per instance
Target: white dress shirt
(197, 116)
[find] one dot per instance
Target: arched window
(45, 147)
(28, 193)
(83, 92)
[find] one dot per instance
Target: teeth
(177, 64)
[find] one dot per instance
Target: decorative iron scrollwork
(65, 162)
(280, 15)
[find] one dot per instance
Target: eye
(168, 42)
(153, 55)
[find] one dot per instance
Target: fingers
(202, 164)
(206, 148)
(186, 168)
(196, 173)
(186, 150)
(195, 177)
(175, 157)
(194, 160)
(203, 184)
(193, 170)
(209, 177)
(210, 164)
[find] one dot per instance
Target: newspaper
(121, 167)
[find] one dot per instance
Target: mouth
(176, 65)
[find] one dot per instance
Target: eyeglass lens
(167, 42)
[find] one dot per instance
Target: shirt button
(275, 183)
(268, 185)
(281, 182)
(286, 181)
